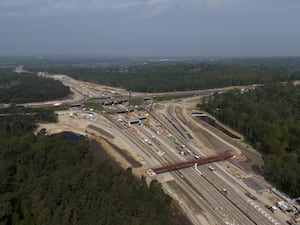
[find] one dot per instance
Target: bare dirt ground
(118, 153)
(183, 111)
(253, 157)
(250, 160)
(186, 199)
(104, 150)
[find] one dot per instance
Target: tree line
(23, 88)
(175, 76)
(51, 180)
(269, 117)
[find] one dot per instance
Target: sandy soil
(186, 202)
(117, 152)
(103, 149)
(253, 158)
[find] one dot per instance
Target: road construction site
(156, 134)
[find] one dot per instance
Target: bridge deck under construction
(180, 165)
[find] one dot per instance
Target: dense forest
(23, 88)
(51, 180)
(175, 76)
(269, 117)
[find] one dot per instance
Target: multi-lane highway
(210, 197)
(233, 205)
(218, 193)
(205, 187)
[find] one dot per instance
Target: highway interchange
(201, 192)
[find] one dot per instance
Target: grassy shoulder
(57, 108)
(94, 106)
(136, 101)
(171, 97)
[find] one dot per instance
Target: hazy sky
(180, 28)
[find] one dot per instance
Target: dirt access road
(250, 158)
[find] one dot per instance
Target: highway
(202, 188)
(86, 91)
(200, 184)
(221, 178)
(165, 159)
(132, 140)
(153, 159)
(205, 187)
(237, 195)
(213, 196)
(211, 185)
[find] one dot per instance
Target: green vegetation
(51, 180)
(57, 108)
(269, 117)
(93, 105)
(175, 76)
(136, 101)
(23, 88)
(28, 115)
(171, 97)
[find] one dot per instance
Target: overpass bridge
(180, 165)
